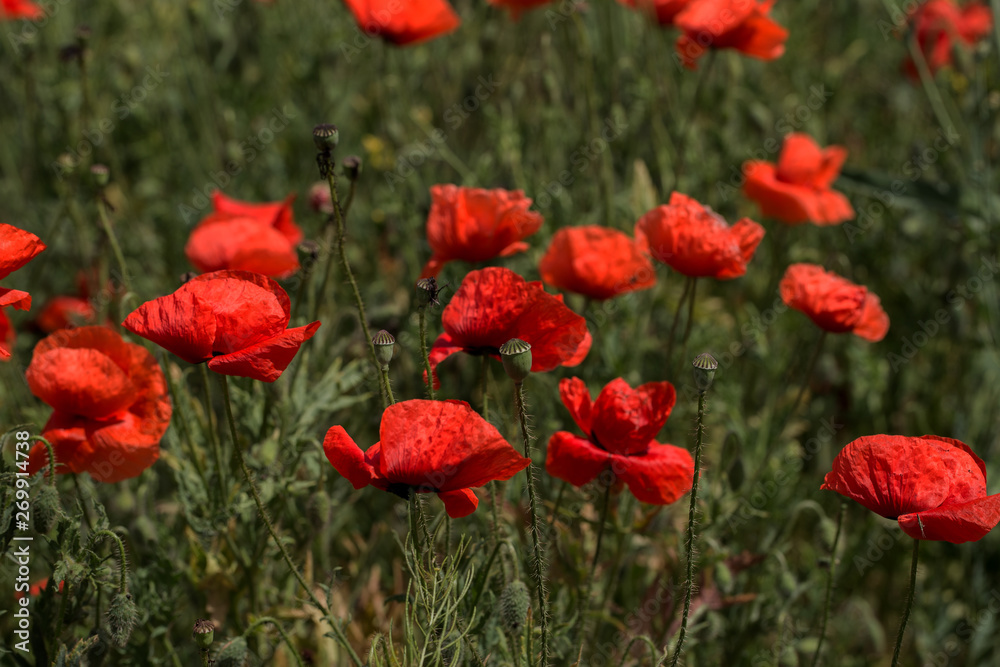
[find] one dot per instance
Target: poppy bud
(122, 617)
(427, 291)
(384, 343)
(326, 137)
(352, 167)
(47, 509)
(100, 174)
(204, 633)
(310, 249)
(704, 371)
(516, 357)
(514, 603)
(319, 197)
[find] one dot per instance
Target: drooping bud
(352, 167)
(47, 509)
(427, 292)
(516, 357)
(704, 371)
(326, 137)
(384, 344)
(513, 605)
(204, 633)
(123, 614)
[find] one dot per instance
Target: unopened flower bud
(516, 357)
(352, 167)
(326, 137)
(384, 344)
(123, 614)
(319, 198)
(704, 371)
(514, 603)
(204, 633)
(47, 509)
(100, 174)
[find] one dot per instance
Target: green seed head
(384, 343)
(326, 137)
(516, 357)
(204, 633)
(514, 603)
(427, 292)
(704, 371)
(352, 167)
(100, 174)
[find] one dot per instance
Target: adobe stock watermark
(899, 16)
(29, 28)
(930, 327)
(967, 629)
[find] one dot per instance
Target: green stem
(338, 631)
(62, 612)
(123, 566)
(585, 602)
(388, 388)
(115, 247)
(214, 436)
(909, 603)
(690, 317)
(183, 422)
(829, 583)
(52, 456)
(425, 355)
(692, 511)
(805, 380)
(284, 636)
(493, 484)
(677, 317)
(538, 567)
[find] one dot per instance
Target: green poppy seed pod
(516, 357)
(203, 633)
(513, 605)
(384, 343)
(427, 291)
(704, 371)
(123, 614)
(47, 509)
(100, 174)
(352, 167)
(326, 137)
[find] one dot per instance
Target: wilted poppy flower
(835, 304)
(694, 240)
(17, 248)
(246, 237)
(234, 320)
(109, 399)
(597, 262)
(797, 189)
(404, 21)
(940, 24)
(19, 9)
(518, 7)
(494, 304)
(620, 428)
(441, 447)
(743, 25)
(934, 487)
(476, 225)
(664, 11)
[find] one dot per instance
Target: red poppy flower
(518, 7)
(597, 262)
(441, 447)
(8, 337)
(620, 429)
(934, 487)
(234, 320)
(404, 21)
(797, 189)
(494, 304)
(729, 24)
(36, 588)
(64, 312)
(694, 240)
(109, 399)
(477, 225)
(940, 24)
(664, 11)
(19, 9)
(835, 304)
(17, 248)
(276, 214)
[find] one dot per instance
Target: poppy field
(528, 333)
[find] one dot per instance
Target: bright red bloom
(518, 7)
(8, 337)
(934, 487)
(493, 305)
(17, 248)
(597, 262)
(940, 24)
(620, 428)
(235, 320)
(110, 403)
(743, 25)
(242, 236)
(404, 21)
(695, 241)
(664, 11)
(64, 312)
(797, 189)
(19, 9)
(835, 304)
(441, 447)
(477, 225)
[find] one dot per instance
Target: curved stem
(829, 583)
(388, 388)
(690, 317)
(909, 603)
(123, 566)
(284, 636)
(422, 312)
(677, 315)
(52, 456)
(338, 631)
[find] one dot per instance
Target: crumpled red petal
(576, 397)
(659, 477)
(17, 248)
(266, 360)
(182, 323)
(15, 299)
(965, 522)
(459, 503)
(575, 459)
(626, 420)
(347, 458)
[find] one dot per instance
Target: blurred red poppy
(941, 24)
(110, 403)
(476, 225)
(63, 312)
(8, 337)
(404, 21)
(17, 248)
(835, 304)
(441, 447)
(36, 588)
(797, 189)
(518, 7)
(694, 240)
(246, 237)
(19, 9)
(743, 25)
(235, 320)
(934, 487)
(597, 262)
(664, 11)
(493, 305)
(620, 428)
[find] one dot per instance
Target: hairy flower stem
(673, 326)
(585, 599)
(690, 317)
(52, 457)
(388, 388)
(337, 630)
(829, 583)
(909, 603)
(689, 583)
(425, 354)
(537, 561)
(214, 437)
(493, 484)
(122, 565)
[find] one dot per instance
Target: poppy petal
(659, 477)
(966, 522)
(574, 459)
(459, 503)
(347, 458)
(626, 420)
(182, 323)
(17, 248)
(873, 324)
(576, 397)
(264, 361)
